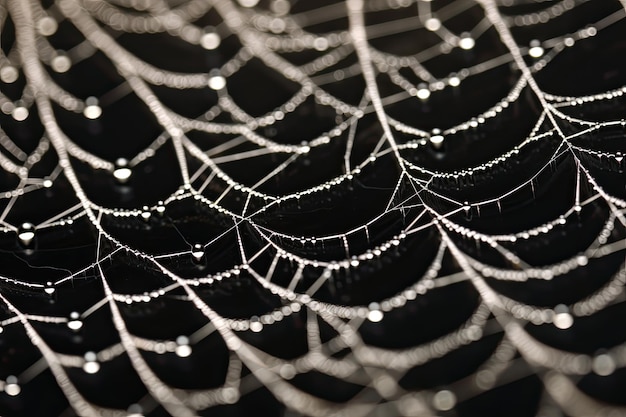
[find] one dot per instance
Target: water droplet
(20, 112)
(603, 365)
(287, 371)
(320, 44)
(374, 315)
(280, 7)
(562, 318)
(210, 39)
(255, 324)
(122, 172)
(61, 62)
(444, 400)
(49, 289)
(535, 51)
(11, 387)
(183, 351)
(422, 91)
(454, 81)
(197, 252)
(432, 24)
(436, 139)
(466, 41)
(9, 74)
(92, 109)
(74, 323)
(91, 367)
(26, 233)
(217, 81)
(47, 26)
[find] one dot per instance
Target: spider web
(361, 208)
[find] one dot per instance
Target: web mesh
(313, 208)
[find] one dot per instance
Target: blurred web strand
(267, 35)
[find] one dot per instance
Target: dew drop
(436, 141)
(535, 51)
(145, 214)
(287, 371)
(74, 323)
(61, 63)
(91, 367)
(433, 24)
(122, 172)
(217, 82)
(26, 233)
(197, 252)
(603, 365)
(466, 42)
(562, 318)
(255, 325)
(183, 349)
(92, 110)
(20, 112)
(374, 315)
(210, 39)
(49, 289)
(47, 26)
(9, 74)
(454, 80)
(444, 400)
(11, 387)
(280, 7)
(422, 92)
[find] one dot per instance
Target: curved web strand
(359, 208)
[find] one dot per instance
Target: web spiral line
(360, 208)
